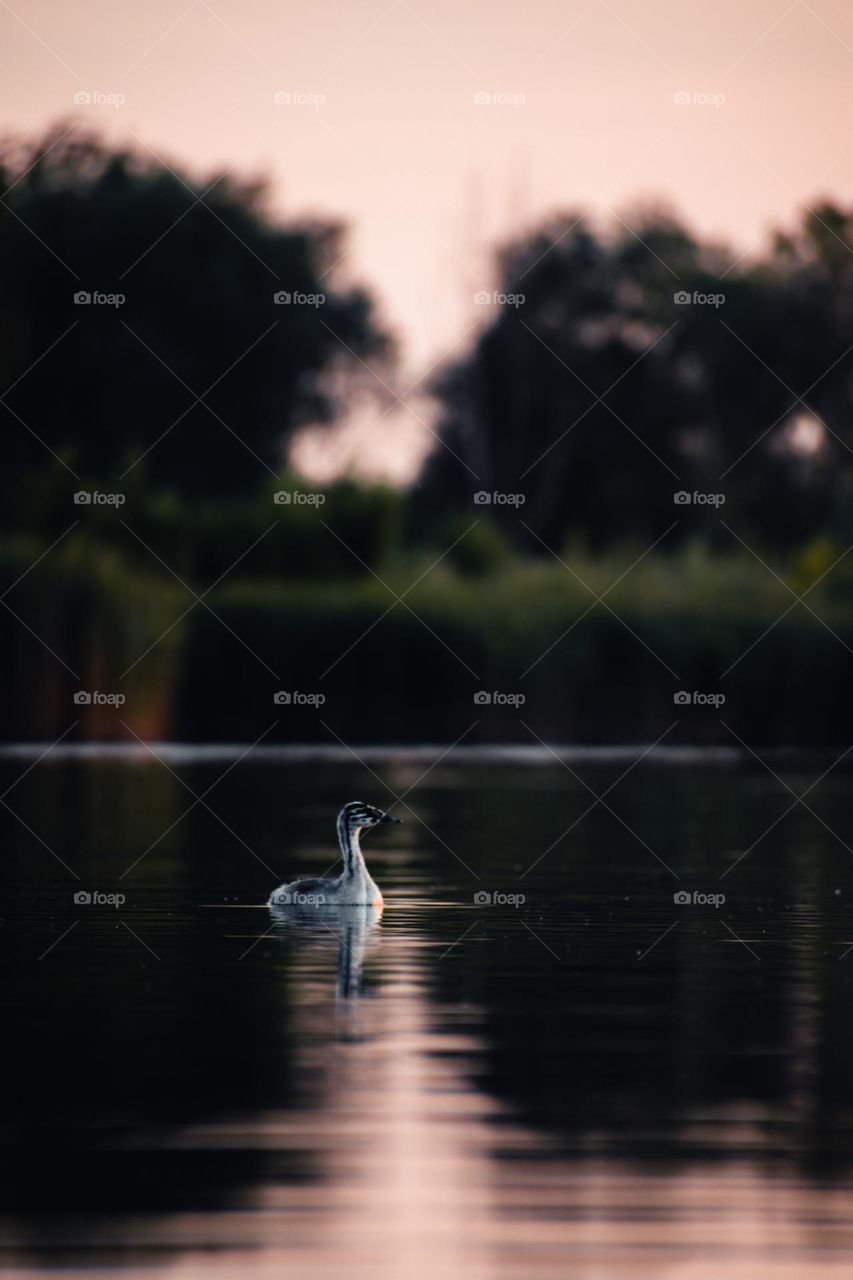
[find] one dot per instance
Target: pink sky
(428, 177)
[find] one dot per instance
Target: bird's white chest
(358, 890)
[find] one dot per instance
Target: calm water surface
(597, 1081)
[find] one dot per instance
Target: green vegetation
(403, 671)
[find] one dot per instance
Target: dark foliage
(605, 391)
(198, 265)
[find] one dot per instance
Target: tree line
(171, 329)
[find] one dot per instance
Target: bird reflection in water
(353, 926)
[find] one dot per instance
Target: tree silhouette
(105, 384)
(642, 363)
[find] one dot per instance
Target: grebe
(354, 886)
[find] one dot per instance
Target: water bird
(354, 886)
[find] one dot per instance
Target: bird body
(354, 886)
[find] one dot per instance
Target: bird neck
(354, 864)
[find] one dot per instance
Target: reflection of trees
(698, 1051)
(110, 1052)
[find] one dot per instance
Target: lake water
(597, 1081)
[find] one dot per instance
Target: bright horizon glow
(428, 178)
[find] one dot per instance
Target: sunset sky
(384, 129)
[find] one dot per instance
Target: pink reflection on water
(423, 1175)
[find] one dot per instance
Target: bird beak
(386, 817)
